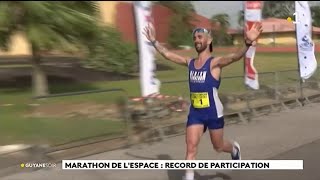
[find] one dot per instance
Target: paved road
(311, 170)
(293, 134)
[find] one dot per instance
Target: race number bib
(200, 100)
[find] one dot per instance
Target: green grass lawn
(17, 127)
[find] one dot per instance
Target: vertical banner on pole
(149, 84)
(306, 58)
(252, 14)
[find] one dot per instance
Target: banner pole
(243, 30)
(299, 72)
(244, 63)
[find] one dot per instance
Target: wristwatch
(247, 43)
(154, 42)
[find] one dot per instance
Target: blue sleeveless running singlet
(206, 107)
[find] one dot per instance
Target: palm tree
(222, 20)
(241, 18)
(220, 32)
(47, 26)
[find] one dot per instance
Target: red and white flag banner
(252, 14)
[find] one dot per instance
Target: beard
(200, 47)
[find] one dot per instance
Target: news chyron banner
(182, 164)
(252, 14)
(143, 16)
(306, 57)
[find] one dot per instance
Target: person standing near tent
(206, 109)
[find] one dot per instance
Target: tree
(222, 22)
(278, 9)
(241, 18)
(179, 7)
(63, 26)
(108, 52)
(181, 23)
(179, 35)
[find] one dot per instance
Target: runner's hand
(149, 32)
(253, 34)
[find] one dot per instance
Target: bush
(108, 52)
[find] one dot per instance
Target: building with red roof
(276, 31)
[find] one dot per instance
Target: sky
(210, 8)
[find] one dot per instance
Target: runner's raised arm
(149, 32)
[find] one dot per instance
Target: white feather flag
(149, 84)
(305, 45)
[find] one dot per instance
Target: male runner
(206, 110)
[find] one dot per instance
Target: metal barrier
(277, 89)
(81, 93)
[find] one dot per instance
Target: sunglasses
(200, 30)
